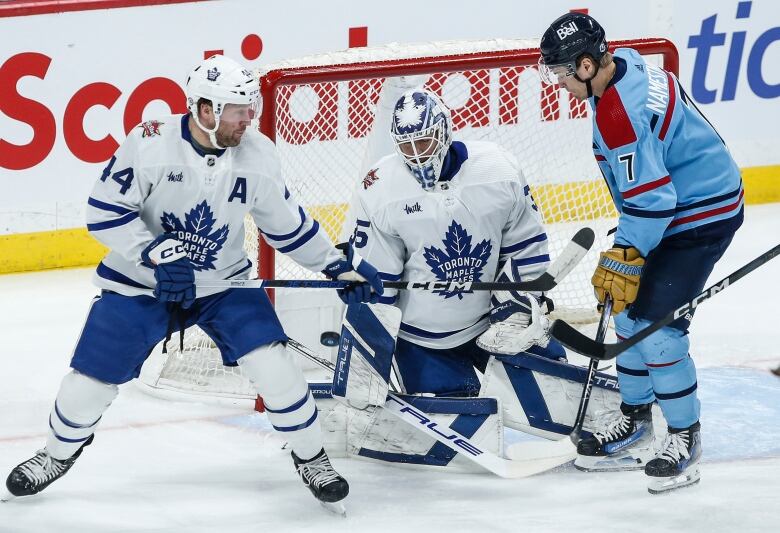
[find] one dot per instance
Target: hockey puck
(329, 338)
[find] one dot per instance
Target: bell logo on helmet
(213, 74)
(566, 30)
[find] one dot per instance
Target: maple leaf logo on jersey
(458, 261)
(370, 178)
(410, 114)
(150, 128)
(200, 242)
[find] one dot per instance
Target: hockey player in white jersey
(449, 210)
(171, 205)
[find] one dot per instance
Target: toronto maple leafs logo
(458, 261)
(201, 241)
(409, 114)
(212, 74)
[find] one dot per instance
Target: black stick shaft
(601, 333)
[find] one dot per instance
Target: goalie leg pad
(80, 404)
(365, 354)
(541, 396)
(288, 402)
(377, 435)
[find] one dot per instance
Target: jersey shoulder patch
(150, 128)
(370, 178)
(613, 121)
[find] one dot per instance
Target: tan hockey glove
(618, 274)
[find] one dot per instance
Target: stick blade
(571, 255)
(576, 341)
(530, 458)
(585, 238)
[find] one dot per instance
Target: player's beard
(230, 138)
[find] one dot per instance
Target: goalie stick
(574, 340)
(533, 457)
(574, 251)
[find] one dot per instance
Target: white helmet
(222, 81)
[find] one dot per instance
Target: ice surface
(160, 466)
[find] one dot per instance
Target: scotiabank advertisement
(72, 84)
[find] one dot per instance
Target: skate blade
(623, 463)
(336, 508)
(667, 484)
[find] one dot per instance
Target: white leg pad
(80, 404)
(289, 405)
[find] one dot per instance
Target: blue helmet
(568, 38)
(422, 131)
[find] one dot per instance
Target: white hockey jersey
(462, 230)
(159, 181)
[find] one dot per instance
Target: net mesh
(321, 113)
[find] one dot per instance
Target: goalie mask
(567, 39)
(422, 131)
(233, 90)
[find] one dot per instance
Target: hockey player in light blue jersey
(680, 199)
(171, 205)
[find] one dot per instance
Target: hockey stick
(554, 454)
(574, 251)
(574, 340)
(601, 332)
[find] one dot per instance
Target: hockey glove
(517, 319)
(366, 286)
(173, 271)
(618, 274)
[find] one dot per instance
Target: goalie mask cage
(320, 112)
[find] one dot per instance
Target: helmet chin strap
(212, 133)
(587, 83)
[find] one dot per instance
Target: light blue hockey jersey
(667, 168)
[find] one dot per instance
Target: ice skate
(677, 464)
(626, 443)
(38, 472)
(323, 481)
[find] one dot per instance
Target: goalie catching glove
(618, 273)
(366, 287)
(517, 320)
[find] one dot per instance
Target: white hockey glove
(517, 320)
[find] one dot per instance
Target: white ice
(161, 466)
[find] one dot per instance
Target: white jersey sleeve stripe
(118, 209)
(292, 233)
(306, 237)
(113, 223)
(523, 244)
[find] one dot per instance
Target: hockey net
(321, 112)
